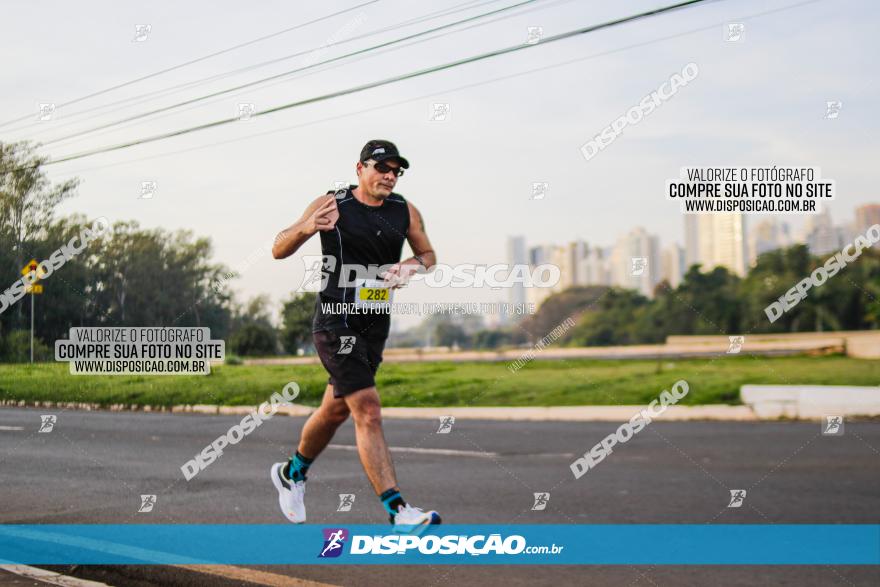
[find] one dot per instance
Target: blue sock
(391, 500)
(297, 467)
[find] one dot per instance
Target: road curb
(526, 413)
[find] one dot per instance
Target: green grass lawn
(539, 383)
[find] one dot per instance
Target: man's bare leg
(322, 424)
(366, 410)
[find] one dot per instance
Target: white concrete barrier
(811, 401)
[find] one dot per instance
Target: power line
(540, 69)
(384, 82)
(139, 99)
(197, 60)
(290, 72)
(375, 54)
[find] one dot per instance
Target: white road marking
(50, 577)
(453, 452)
(11, 427)
(427, 451)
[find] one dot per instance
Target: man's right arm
(321, 214)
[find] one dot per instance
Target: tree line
(132, 276)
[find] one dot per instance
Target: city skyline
(638, 260)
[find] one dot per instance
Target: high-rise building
(714, 240)
(566, 257)
(866, 217)
(540, 255)
(672, 265)
(593, 267)
(516, 255)
(820, 234)
(635, 261)
(767, 235)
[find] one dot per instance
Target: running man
(363, 225)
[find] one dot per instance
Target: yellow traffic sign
(37, 288)
(31, 266)
(34, 266)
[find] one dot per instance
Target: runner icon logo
(639, 264)
(47, 423)
(735, 32)
(334, 541)
(832, 426)
(147, 503)
(737, 496)
(736, 344)
(446, 423)
(346, 500)
(346, 344)
(832, 109)
(541, 500)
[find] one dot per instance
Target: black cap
(378, 150)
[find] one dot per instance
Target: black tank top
(369, 236)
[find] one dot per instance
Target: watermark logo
(346, 345)
(629, 429)
(539, 346)
(319, 269)
(346, 500)
(541, 501)
(236, 433)
(737, 497)
(141, 32)
(734, 32)
(46, 111)
(637, 113)
(540, 189)
(317, 273)
(455, 544)
(148, 189)
(639, 264)
(147, 504)
(832, 109)
(246, 110)
(832, 426)
(822, 273)
(334, 540)
(534, 35)
(47, 423)
(439, 112)
(736, 344)
(446, 423)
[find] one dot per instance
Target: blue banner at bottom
(624, 544)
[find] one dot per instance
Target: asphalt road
(93, 466)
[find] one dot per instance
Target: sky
(513, 120)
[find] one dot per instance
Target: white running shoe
(412, 520)
(290, 494)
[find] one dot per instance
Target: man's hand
(324, 218)
(321, 215)
(398, 274)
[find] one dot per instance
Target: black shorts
(350, 358)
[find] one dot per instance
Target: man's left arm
(423, 253)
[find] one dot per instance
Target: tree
(613, 322)
(27, 206)
(451, 334)
(296, 322)
(253, 339)
(570, 303)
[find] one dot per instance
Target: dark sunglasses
(384, 168)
